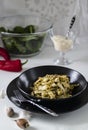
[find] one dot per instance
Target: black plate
(28, 77)
(66, 107)
(10, 94)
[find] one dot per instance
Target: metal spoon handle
(71, 25)
(72, 22)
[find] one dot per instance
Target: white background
(56, 10)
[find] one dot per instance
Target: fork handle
(45, 109)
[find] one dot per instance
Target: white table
(76, 120)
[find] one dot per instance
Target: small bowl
(78, 99)
(24, 35)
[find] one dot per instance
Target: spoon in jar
(71, 25)
(69, 29)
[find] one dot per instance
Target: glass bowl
(24, 35)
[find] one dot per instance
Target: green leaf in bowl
(18, 29)
(29, 29)
(2, 29)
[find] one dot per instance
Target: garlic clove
(10, 112)
(2, 94)
(22, 123)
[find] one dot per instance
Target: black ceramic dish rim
(11, 95)
(44, 99)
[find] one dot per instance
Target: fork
(22, 99)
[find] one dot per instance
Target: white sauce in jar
(62, 43)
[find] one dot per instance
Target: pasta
(52, 86)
